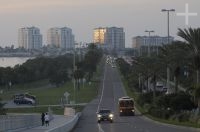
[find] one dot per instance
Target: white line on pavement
(100, 129)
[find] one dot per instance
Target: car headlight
(111, 115)
(98, 116)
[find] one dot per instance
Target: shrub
(2, 109)
(146, 98)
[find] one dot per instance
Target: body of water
(12, 61)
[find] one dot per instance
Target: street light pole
(168, 70)
(74, 69)
(149, 31)
(168, 11)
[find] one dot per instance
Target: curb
(68, 126)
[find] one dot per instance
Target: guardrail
(14, 122)
(68, 126)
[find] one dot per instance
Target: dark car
(24, 99)
(104, 115)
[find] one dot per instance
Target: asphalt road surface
(112, 89)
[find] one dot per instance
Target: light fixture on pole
(168, 11)
(149, 31)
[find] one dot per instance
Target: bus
(126, 106)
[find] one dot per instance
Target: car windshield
(126, 103)
(104, 111)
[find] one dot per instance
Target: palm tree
(166, 58)
(192, 38)
(173, 57)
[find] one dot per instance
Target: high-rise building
(141, 41)
(29, 38)
(109, 38)
(60, 37)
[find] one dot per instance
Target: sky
(82, 16)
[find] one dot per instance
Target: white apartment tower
(60, 38)
(29, 38)
(109, 38)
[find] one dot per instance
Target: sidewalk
(57, 121)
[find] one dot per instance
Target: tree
(197, 95)
(192, 38)
(78, 74)
(174, 57)
(59, 77)
(91, 59)
(166, 58)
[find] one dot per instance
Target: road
(111, 89)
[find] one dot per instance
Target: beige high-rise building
(60, 37)
(29, 38)
(109, 38)
(99, 35)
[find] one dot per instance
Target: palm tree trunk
(168, 79)
(139, 79)
(197, 76)
(176, 84)
(154, 89)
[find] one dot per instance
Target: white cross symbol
(186, 14)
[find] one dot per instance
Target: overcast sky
(82, 16)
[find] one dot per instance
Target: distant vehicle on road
(105, 115)
(159, 86)
(126, 106)
(113, 66)
(24, 98)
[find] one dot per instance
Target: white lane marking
(99, 126)
(102, 91)
(100, 129)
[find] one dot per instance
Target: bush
(182, 117)
(146, 98)
(160, 112)
(181, 101)
(2, 109)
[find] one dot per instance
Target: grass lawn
(52, 95)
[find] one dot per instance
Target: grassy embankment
(50, 95)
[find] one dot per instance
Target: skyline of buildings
(109, 38)
(105, 37)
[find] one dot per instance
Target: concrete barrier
(14, 122)
(68, 126)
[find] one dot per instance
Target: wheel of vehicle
(98, 121)
(111, 121)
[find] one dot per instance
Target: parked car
(104, 115)
(24, 98)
